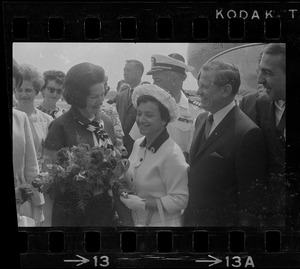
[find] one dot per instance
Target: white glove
(133, 202)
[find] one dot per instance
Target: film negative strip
(66, 32)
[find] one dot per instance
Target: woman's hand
(133, 202)
(40, 180)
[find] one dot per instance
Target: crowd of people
(209, 162)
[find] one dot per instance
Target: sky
(111, 56)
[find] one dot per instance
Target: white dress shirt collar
(280, 104)
(220, 115)
(279, 110)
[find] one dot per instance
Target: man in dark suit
(267, 110)
(227, 155)
(133, 72)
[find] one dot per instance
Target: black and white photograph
(147, 135)
(151, 134)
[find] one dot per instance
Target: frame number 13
(102, 261)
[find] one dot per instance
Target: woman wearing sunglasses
(52, 91)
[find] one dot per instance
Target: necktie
(209, 122)
(281, 125)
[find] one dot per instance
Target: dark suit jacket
(127, 115)
(262, 112)
(225, 173)
(248, 105)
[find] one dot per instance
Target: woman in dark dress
(82, 123)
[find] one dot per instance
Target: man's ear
(227, 90)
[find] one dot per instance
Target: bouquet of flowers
(83, 171)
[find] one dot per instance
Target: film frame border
(182, 16)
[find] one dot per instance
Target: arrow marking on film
(82, 260)
(214, 261)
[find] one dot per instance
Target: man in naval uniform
(169, 73)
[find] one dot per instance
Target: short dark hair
(78, 81)
(30, 73)
(17, 74)
(139, 65)
(164, 112)
(57, 76)
(277, 49)
(226, 73)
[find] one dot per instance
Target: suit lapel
(199, 132)
(219, 130)
(128, 101)
(267, 120)
(268, 124)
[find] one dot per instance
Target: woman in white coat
(25, 164)
(157, 174)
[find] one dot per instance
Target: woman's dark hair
(17, 74)
(57, 76)
(164, 112)
(78, 81)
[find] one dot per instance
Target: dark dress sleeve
(56, 138)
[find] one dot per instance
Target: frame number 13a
(236, 261)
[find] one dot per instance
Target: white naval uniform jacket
(182, 130)
(159, 172)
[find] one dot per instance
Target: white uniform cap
(161, 62)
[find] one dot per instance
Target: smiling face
(93, 101)
(26, 93)
(149, 120)
(212, 96)
(52, 92)
(272, 76)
